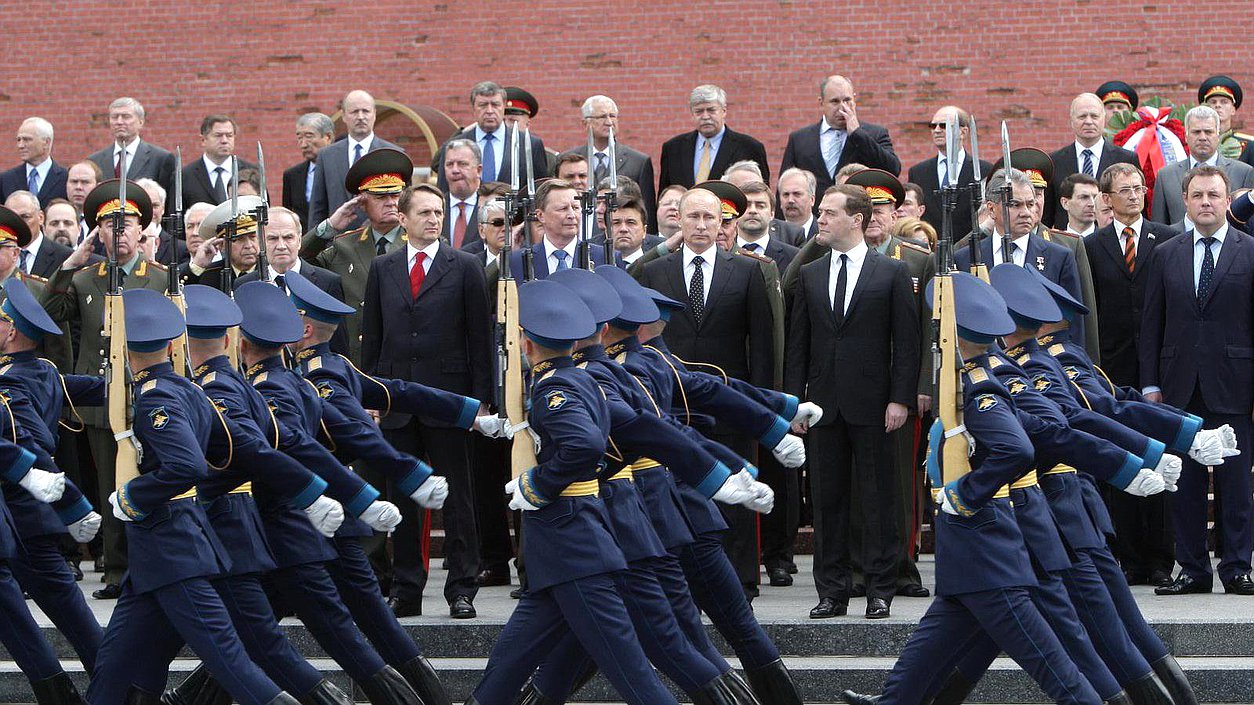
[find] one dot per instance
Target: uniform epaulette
(978, 375)
(1243, 136)
(209, 378)
(260, 378)
(754, 255)
(102, 269)
(148, 386)
(361, 233)
(995, 362)
(315, 364)
(1063, 233)
(1057, 349)
(158, 265)
(35, 277)
(917, 248)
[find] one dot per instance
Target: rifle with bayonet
(1007, 189)
(227, 282)
(588, 205)
(947, 362)
(510, 389)
(978, 268)
(262, 214)
(611, 196)
(117, 384)
(175, 225)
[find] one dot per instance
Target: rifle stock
(955, 463)
(522, 453)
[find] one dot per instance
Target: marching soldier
(15, 235)
(76, 293)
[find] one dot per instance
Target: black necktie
(278, 281)
(1207, 276)
(601, 171)
(696, 289)
(1007, 250)
(381, 246)
(842, 284)
(1088, 162)
(219, 184)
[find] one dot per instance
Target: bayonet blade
(975, 153)
(261, 174)
(953, 143)
(531, 176)
(1005, 148)
(234, 186)
(178, 179)
(513, 160)
(612, 153)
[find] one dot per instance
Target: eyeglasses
(1130, 191)
(495, 222)
(941, 125)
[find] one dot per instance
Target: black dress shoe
(462, 609)
(1160, 578)
(1185, 585)
(829, 607)
(78, 572)
(913, 590)
(406, 608)
(1240, 585)
(493, 578)
(779, 577)
(792, 568)
(858, 590)
(876, 608)
(108, 592)
(858, 698)
(516, 593)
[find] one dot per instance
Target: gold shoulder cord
(274, 422)
(616, 454)
(1083, 397)
(66, 390)
(649, 396)
(321, 422)
(12, 421)
(230, 442)
(679, 384)
(1105, 377)
(720, 371)
(382, 386)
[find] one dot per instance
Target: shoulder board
(1243, 136)
(5, 370)
(35, 277)
(102, 269)
(582, 365)
(995, 362)
(917, 248)
(315, 364)
(156, 265)
(1023, 359)
(547, 375)
(1057, 349)
(1063, 233)
(260, 378)
(148, 386)
(753, 255)
(360, 233)
(978, 375)
(208, 379)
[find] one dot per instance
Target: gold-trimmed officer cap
(1220, 85)
(13, 228)
(217, 222)
(382, 171)
(731, 199)
(1118, 92)
(1033, 162)
(880, 186)
(520, 102)
(103, 202)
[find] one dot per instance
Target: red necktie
(417, 274)
(459, 226)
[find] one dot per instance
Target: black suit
(924, 174)
(868, 145)
(1066, 164)
(324, 279)
(49, 258)
(294, 193)
(164, 241)
(854, 368)
(442, 339)
(149, 162)
(638, 167)
(679, 153)
(1142, 540)
(52, 186)
(198, 186)
(539, 158)
(785, 231)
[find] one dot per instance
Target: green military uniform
(1233, 144)
(1075, 243)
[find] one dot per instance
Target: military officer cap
(311, 301)
(24, 311)
(638, 306)
(1033, 162)
(209, 312)
(880, 186)
(729, 195)
(520, 102)
(1030, 305)
(218, 221)
(1220, 85)
(597, 293)
(152, 320)
(270, 320)
(381, 172)
(1118, 92)
(665, 304)
(13, 228)
(103, 202)
(551, 317)
(1071, 308)
(979, 310)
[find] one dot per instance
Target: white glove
(1147, 482)
(1229, 439)
(117, 508)
(945, 505)
(431, 493)
(326, 515)
(517, 500)
(763, 498)
(381, 516)
(1208, 447)
(43, 485)
(808, 413)
(494, 426)
(737, 489)
(790, 451)
(84, 530)
(1169, 467)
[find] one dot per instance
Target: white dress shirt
(1020, 253)
(853, 267)
(707, 268)
(1097, 157)
(1199, 252)
(942, 166)
(550, 248)
(271, 274)
(226, 169)
(1193, 163)
(1081, 233)
(365, 146)
(761, 243)
(1138, 227)
(43, 168)
(32, 250)
(629, 259)
(130, 152)
(411, 253)
(464, 213)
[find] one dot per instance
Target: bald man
(930, 174)
(358, 114)
(1090, 153)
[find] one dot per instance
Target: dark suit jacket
(539, 159)
(49, 258)
(679, 152)
(442, 338)
(324, 279)
(294, 193)
(1188, 345)
(1065, 165)
(198, 187)
(924, 174)
(328, 185)
(780, 252)
(868, 145)
(855, 369)
(736, 330)
(1120, 295)
(149, 162)
(163, 248)
(52, 187)
(786, 232)
(638, 167)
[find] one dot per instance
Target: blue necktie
(1208, 270)
(832, 158)
(356, 154)
(32, 181)
(22, 264)
(561, 260)
(1088, 162)
(489, 158)
(944, 165)
(752, 247)
(309, 176)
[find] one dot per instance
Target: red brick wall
(265, 63)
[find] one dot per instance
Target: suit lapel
(868, 270)
(1110, 243)
(440, 265)
(722, 272)
(397, 270)
(142, 152)
(722, 160)
(677, 277)
(1145, 247)
(1227, 254)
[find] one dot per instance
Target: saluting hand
(82, 254)
(346, 213)
(208, 249)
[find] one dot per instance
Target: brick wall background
(266, 63)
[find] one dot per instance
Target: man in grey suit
(335, 159)
(1201, 133)
(600, 113)
(143, 160)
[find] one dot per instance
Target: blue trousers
(1105, 626)
(307, 588)
(717, 591)
(42, 572)
(359, 588)
(592, 610)
(1008, 616)
(146, 632)
(264, 640)
(1143, 637)
(20, 634)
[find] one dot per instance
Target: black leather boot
(530, 696)
(57, 690)
(713, 693)
(325, 693)
(198, 688)
(1149, 690)
(1172, 676)
(387, 687)
(854, 698)
(739, 689)
(135, 696)
(425, 682)
(773, 684)
(1120, 698)
(954, 690)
